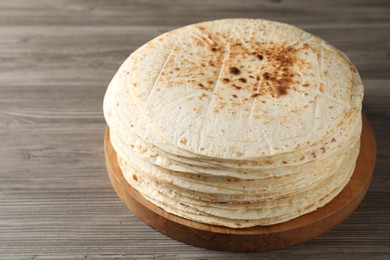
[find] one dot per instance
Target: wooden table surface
(56, 59)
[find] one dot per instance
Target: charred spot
(234, 71)
(255, 95)
(314, 155)
(243, 80)
(284, 162)
(235, 96)
(260, 57)
(305, 85)
(201, 86)
(257, 78)
(333, 140)
(281, 90)
(266, 75)
(251, 77)
(236, 87)
(135, 177)
(226, 80)
(323, 150)
(211, 63)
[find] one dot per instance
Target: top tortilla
(237, 89)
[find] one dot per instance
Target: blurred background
(56, 60)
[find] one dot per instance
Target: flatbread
(236, 122)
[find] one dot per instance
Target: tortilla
(236, 122)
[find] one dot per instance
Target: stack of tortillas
(236, 122)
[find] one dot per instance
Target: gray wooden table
(56, 59)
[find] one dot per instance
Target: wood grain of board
(56, 60)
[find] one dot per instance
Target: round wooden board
(260, 238)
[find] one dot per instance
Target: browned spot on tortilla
(333, 140)
(314, 155)
(183, 140)
(270, 162)
(201, 86)
(260, 57)
(135, 177)
(226, 80)
(236, 87)
(323, 149)
(302, 158)
(279, 74)
(243, 80)
(234, 70)
(235, 96)
(255, 95)
(326, 73)
(305, 85)
(284, 162)
(214, 48)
